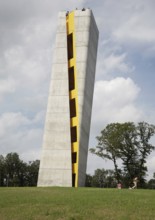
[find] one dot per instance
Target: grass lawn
(53, 203)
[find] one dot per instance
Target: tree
(128, 151)
(88, 182)
(2, 171)
(101, 178)
(144, 131)
(98, 178)
(12, 166)
(110, 181)
(32, 174)
(22, 175)
(151, 183)
(108, 145)
(130, 144)
(15, 172)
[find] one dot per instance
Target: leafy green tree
(2, 171)
(98, 178)
(151, 183)
(144, 131)
(88, 182)
(128, 149)
(12, 165)
(130, 144)
(101, 178)
(22, 174)
(110, 181)
(32, 174)
(15, 172)
(108, 145)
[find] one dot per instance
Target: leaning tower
(67, 126)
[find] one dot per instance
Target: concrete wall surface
(55, 165)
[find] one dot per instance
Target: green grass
(55, 203)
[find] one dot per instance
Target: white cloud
(127, 23)
(138, 29)
(11, 122)
(151, 165)
(21, 134)
(113, 64)
(114, 100)
(7, 86)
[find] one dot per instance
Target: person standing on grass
(135, 181)
(119, 186)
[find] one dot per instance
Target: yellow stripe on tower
(73, 95)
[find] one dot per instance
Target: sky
(125, 72)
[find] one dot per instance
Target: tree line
(106, 179)
(15, 172)
(127, 144)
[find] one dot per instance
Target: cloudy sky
(125, 73)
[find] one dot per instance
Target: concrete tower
(66, 134)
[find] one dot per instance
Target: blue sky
(124, 87)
